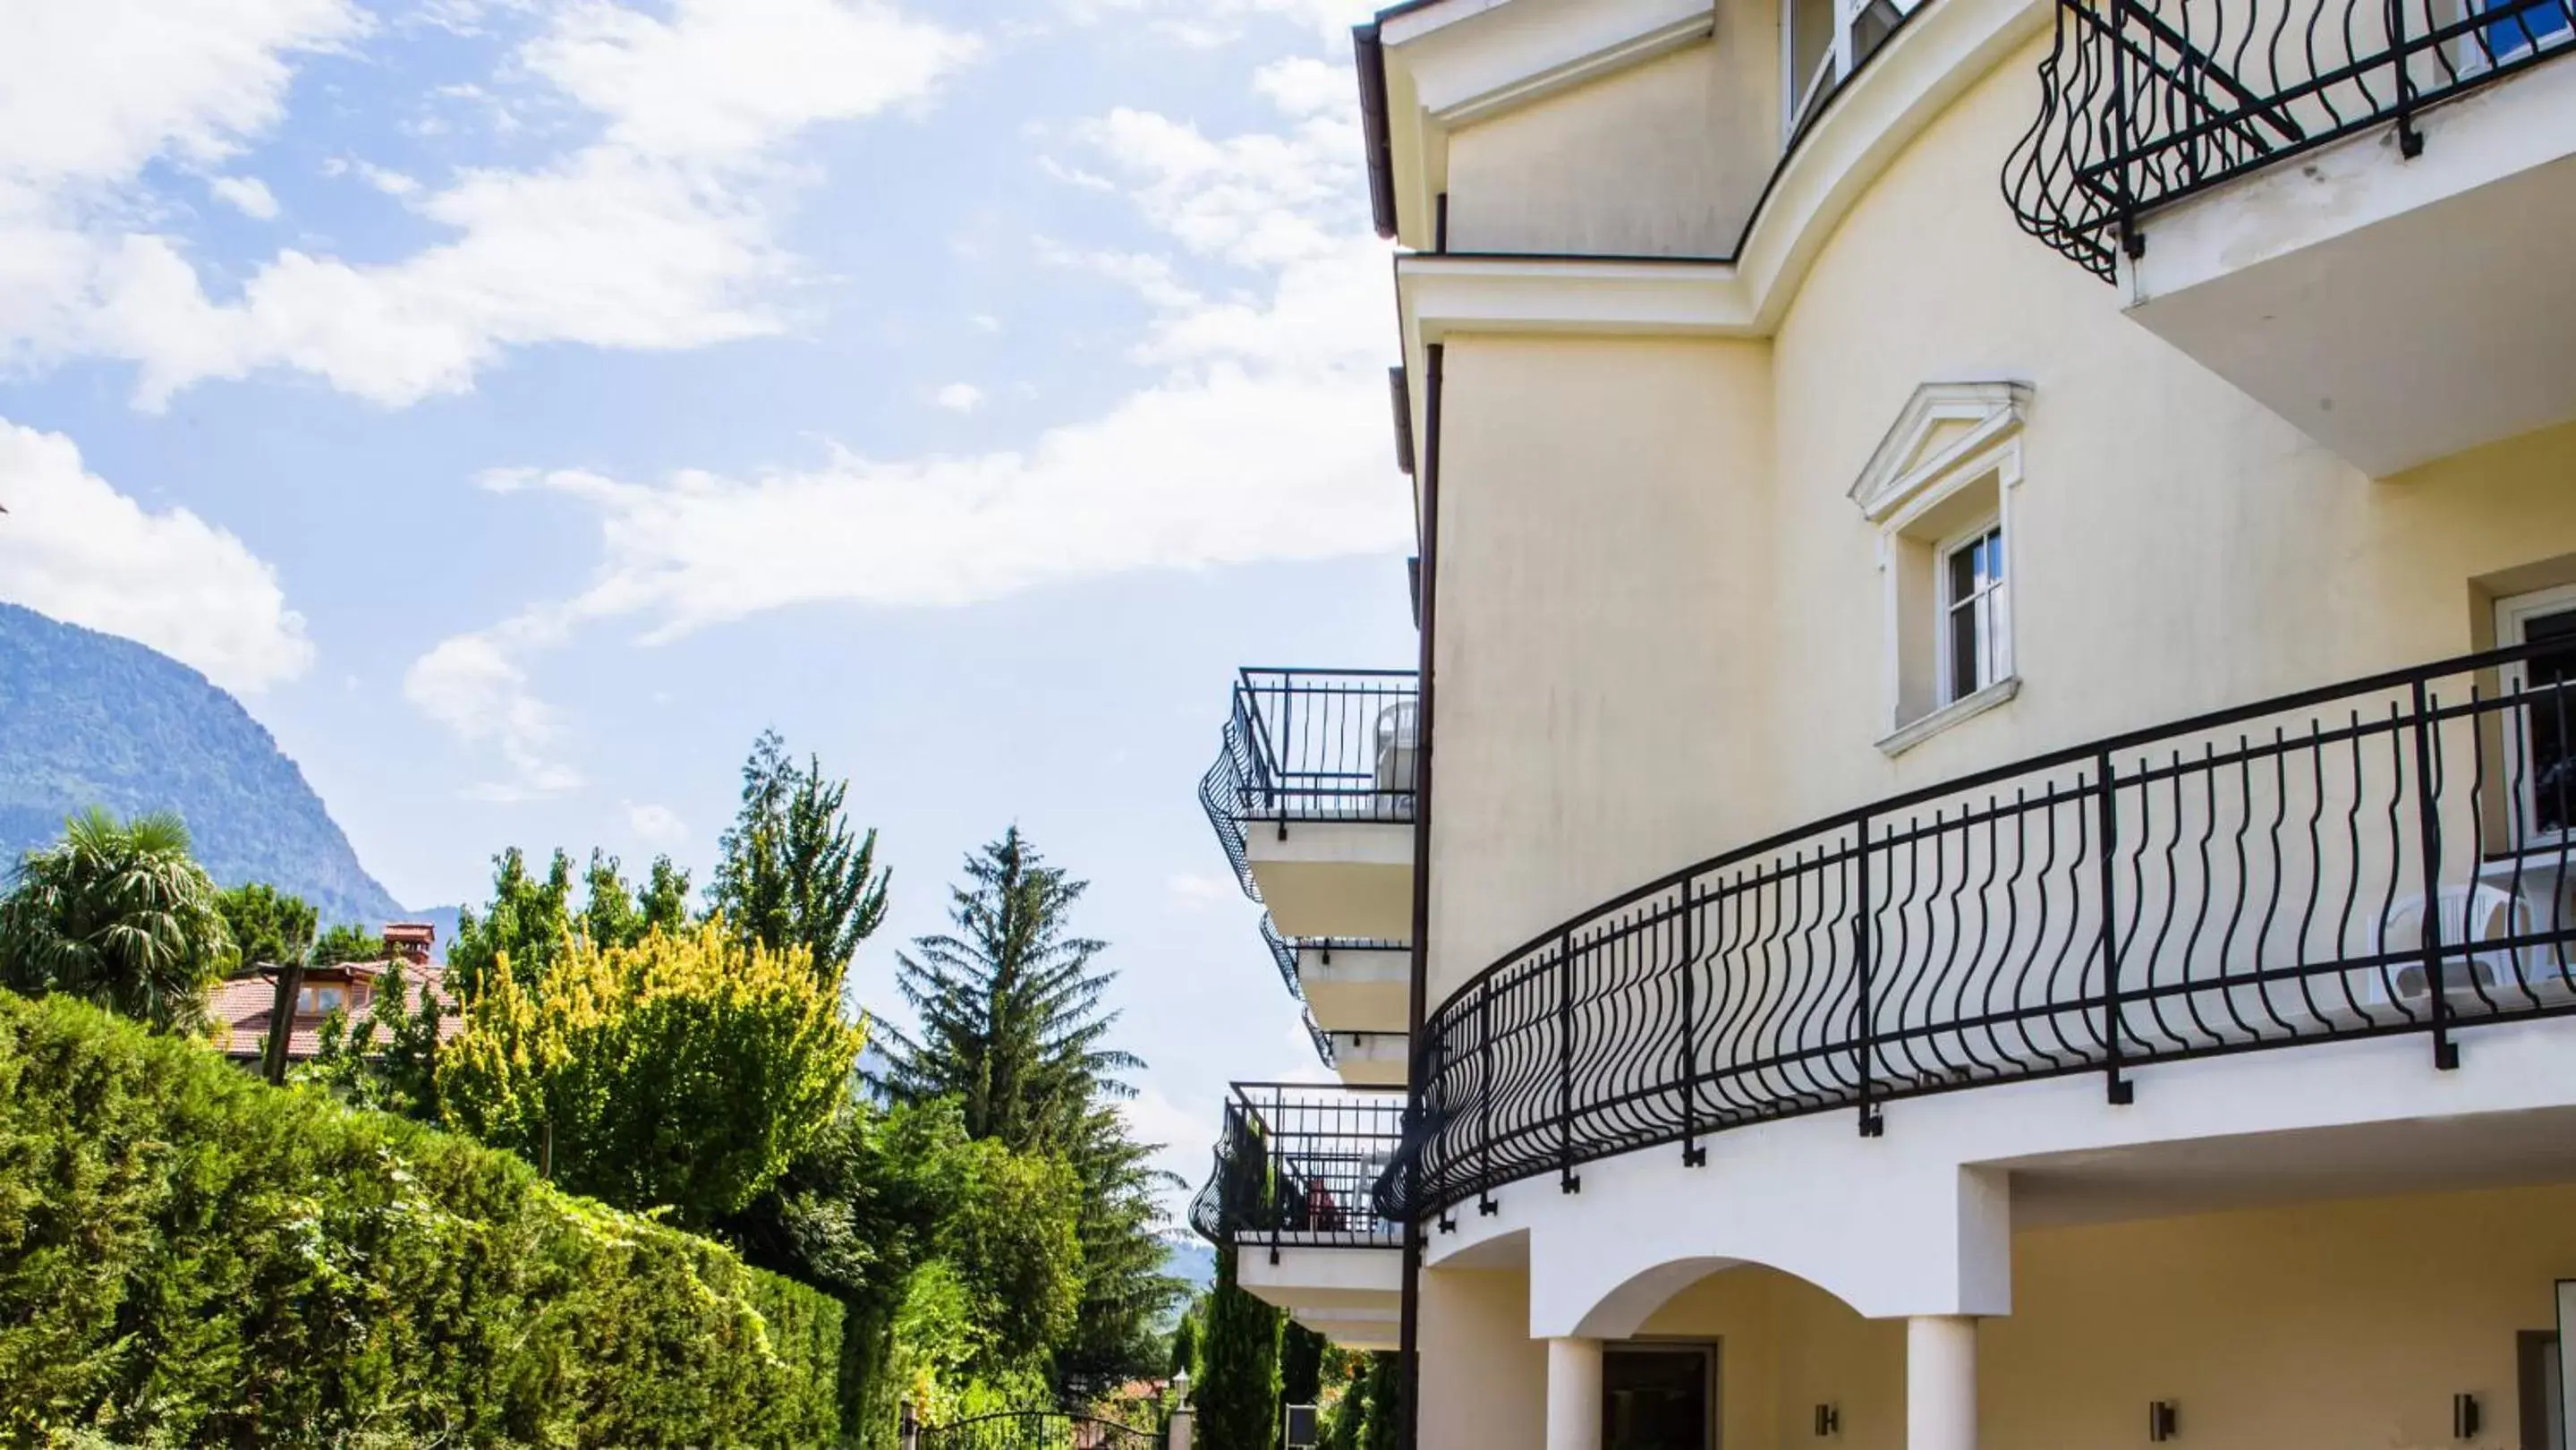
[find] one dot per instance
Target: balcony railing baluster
(1296, 1168)
(2058, 915)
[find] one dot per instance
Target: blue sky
(521, 403)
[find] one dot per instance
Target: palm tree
(119, 914)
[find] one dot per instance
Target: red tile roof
(239, 1007)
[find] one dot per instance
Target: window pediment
(1942, 427)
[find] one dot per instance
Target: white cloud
(1304, 86)
(471, 685)
(1261, 434)
(959, 397)
(90, 92)
(1209, 23)
(984, 322)
(73, 547)
(247, 194)
(660, 234)
(656, 825)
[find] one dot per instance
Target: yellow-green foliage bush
(191, 1257)
(683, 1071)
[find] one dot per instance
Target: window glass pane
(2550, 723)
(1655, 1399)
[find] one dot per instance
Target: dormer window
(321, 1001)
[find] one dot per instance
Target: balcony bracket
(1486, 1207)
(1694, 1156)
(1873, 1121)
(2122, 1092)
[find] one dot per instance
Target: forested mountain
(91, 719)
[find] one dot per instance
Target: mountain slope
(90, 719)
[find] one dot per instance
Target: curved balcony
(2387, 856)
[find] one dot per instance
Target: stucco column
(1574, 1394)
(1940, 1382)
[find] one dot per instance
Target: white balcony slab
(2398, 311)
(1334, 878)
(1371, 1059)
(1356, 989)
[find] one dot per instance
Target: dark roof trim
(1374, 137)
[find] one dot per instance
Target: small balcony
(1290, 1197)
(1312, 798)
(2390, 860)
(2354, 210)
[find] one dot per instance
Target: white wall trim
(1966, 707)
(1633, 51)
(1912, 79)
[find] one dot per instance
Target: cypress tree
(1301, 1364)
(1238, 1393)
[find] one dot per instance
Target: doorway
(1659, 1395)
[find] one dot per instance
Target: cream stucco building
(1979, 853)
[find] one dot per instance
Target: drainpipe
(1409, 1362)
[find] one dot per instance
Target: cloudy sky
(521, 403)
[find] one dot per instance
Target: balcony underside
(1356, 989)
(1334, 878)
(2398, 311)
(1351, 1296)
(1371, 1059)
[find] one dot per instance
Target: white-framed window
(1940, 490)
(1822, 42)
(1976, 611)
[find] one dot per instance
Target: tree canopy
(1014, 1029)
(790, 872)
(117, 913)
(1012, 1023)
(269, 927)
(683, 1071)
(529, 919)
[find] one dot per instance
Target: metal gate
(1035, 1430)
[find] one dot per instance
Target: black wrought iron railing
(1295, 1168)
(1311, 745)
(2144, 102)
(2386, 856)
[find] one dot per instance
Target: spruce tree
(1013, 1028)
(1012, 1024)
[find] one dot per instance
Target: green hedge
(191, 1257)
